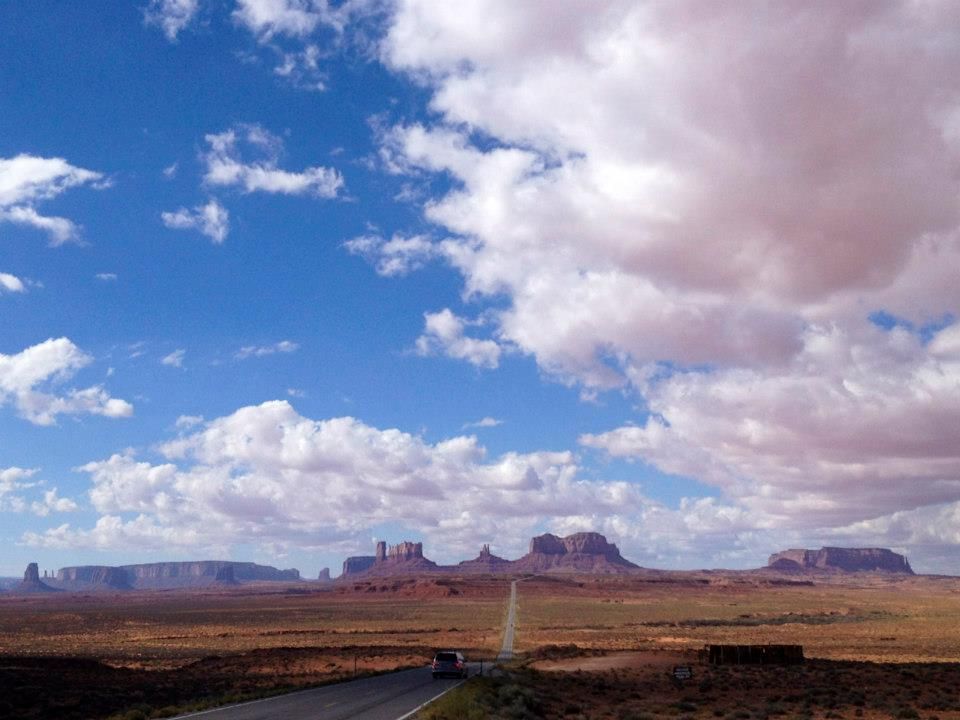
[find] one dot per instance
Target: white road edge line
(420, 707)
(281, 695)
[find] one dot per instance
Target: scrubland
(588, 647)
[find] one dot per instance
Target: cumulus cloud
(248, 351)
(27, 378)
(174, 359)
(211, 219)
(226, 168)
(443, 334)
(706, 205)
(268, 474)
(52, 503)
(27, 180)
(11, 283)
(858, 427)
(171, 16)
(394, 257)
(12, 481)
(704, 196)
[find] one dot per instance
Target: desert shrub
(907, 714)
(463, 703)
(516, 702)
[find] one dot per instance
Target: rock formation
(840, 560)
(93, 577)
(587, 552)
(405, 558)
(225, 575)
(357, 565)
(578, 553)
(169, 575)
(197, 574)
(32, 582)
(485, 562)
(324, 575)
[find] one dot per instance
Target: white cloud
(25, 377)
(12, 481)
(486, 422)
(443, 333)
(302, 68)
(52, 503)
(293, 18)
(284, 346)
(11, 283)
(26, 180)
(659, 218)
(106, 277)
(225, 167)
(185, 422)
(171, 16)
(170, 171)
(296, 393)
(394, 257)
(858, 427)
(267, 474)
(211, 219)
(174, 359)
(709, 222)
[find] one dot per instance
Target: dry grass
(169, 629)
(169, 650)
(863, 619)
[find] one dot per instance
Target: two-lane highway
(393, 696)
(506, 650)
(382, 697)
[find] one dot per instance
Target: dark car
(449, 663)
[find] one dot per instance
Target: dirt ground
(589, 647)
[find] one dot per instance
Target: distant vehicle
(449, 663)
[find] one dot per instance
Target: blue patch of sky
(926, 332)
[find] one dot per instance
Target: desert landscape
(597, 637)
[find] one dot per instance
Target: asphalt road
(382, 697)
(394, 696)
(506, 650)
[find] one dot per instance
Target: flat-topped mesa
(93, 577)
(169, 575)
(587, 552)
(225, 576)
(403, 558)
(203, 572)
(324, 575)
(841, 559)
(357, 565)
(405, 551)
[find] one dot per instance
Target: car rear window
(446, 657)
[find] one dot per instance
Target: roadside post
(681, 674)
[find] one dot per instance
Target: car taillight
(434, 665)
(459, 665)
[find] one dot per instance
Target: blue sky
(553, 279)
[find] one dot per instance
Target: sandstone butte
(835, 559)
(583, 553)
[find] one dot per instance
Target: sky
(282, 278)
